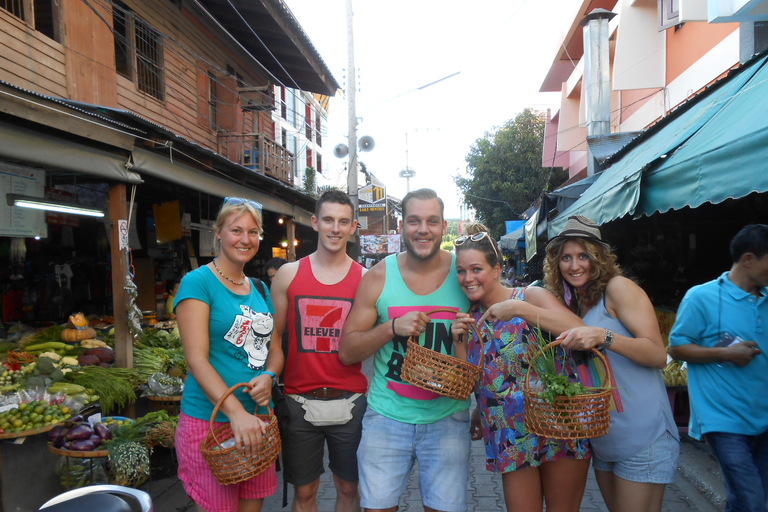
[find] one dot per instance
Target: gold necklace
(225, 277)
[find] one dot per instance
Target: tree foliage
(504, 173)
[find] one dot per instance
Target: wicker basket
(570, 417)
(443, 374)
(172, 404)
(231, 465)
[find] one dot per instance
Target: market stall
(62, 406)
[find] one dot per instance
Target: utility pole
(352, 116)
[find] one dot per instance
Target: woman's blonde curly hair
(603, 269)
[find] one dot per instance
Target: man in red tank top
(325, 399)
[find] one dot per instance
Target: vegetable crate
(171, 404)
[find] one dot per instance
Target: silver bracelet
(608, 339)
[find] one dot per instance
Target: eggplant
(59, 442)
(57, 432)
(102, 431)
(96, 439)
(79, 432)
(73, 420)
(83, 445)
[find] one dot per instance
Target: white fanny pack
(323, 413)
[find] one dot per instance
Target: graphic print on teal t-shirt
(251, 331)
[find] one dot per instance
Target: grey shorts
(654, 464)
(304, 445)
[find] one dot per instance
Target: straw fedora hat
(579, 226)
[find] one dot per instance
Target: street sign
(407, 173)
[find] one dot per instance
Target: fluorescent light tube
(39, 203)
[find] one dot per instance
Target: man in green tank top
(404, 423)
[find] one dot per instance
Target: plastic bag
(162, 384)
(74, 472)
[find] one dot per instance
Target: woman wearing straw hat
(225, 325)
(638, 456)
(533, 469)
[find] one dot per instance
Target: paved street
(697, 485)
(485, 492)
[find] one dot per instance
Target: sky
(498, 52)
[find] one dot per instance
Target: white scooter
(104, 498)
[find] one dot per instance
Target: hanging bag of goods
(443, 374)
(229, 464)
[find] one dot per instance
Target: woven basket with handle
(443, 374)
(231, 465)
(570, 417)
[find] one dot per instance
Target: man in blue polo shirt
(721, 331)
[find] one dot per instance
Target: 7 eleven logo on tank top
(319, 322)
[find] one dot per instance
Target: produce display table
(26, 433)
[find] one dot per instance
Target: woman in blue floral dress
(535, 470)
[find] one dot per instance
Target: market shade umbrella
(619, 188)
(508, 242)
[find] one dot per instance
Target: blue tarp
(513, 225)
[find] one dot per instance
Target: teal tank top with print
(389, 395)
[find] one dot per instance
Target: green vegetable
(50, 345)
(46, 335)
(65, 387)
(5, 346)
(57, 375)
(115, 386)
(44, 366)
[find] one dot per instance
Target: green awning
(712, 148)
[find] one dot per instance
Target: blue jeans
(388, 449)
(744, 463)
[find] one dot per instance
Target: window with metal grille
(123, 51)
(138, 51)
(212, 100)
(15, 7)
(149, 60)
(308, 121)
(318, 137)
(41, 15)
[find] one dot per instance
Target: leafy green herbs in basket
(542, 361)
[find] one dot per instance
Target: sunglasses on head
(239, 200)
(476, 238)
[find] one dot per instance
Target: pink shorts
(199, 482)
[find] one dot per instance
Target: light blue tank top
(389, 395)
(647, 413)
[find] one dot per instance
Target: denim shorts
(388, 449)
(654, 464)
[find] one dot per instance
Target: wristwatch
(608, 339)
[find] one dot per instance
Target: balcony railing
(259, 152)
